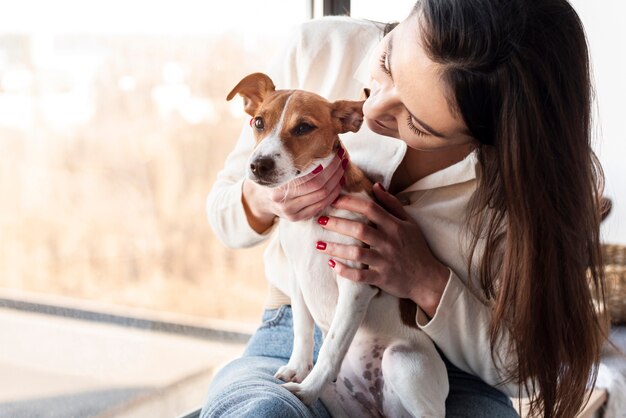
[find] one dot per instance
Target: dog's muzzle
(263, 169)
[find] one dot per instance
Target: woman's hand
(398, 258)
(299, 199)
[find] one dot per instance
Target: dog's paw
(291, 373)
(305, 393)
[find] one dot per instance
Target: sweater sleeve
(460, 328)
(224, 205)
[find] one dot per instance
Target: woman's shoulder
(341, 26)
(322, 55)
(330, 34)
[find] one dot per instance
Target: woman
(491, 222)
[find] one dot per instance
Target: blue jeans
(246, 387)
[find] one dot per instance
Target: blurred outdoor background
(113, 125)
(111, 133)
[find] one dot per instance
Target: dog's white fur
(370, 364)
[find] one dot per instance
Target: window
(113, 125)
(381, 11)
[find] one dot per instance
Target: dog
(374, 361)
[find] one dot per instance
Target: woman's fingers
(316, 208)
(368, 208)
(354, 253)
(355, 274)
(390, 202)
(384, 216)
(309, 205)
(312, 182)
(355, 229)
(309, 189)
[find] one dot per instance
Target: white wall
(605, 24)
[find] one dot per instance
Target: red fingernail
(321, 245)
(382, 187)
(340, 152)
(332, 263)
(318, 169)
(342, 181)
(344, 163)
(322, 220)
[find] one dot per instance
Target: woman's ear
(348, 115)
(253, 88)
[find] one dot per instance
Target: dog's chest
(309, 266)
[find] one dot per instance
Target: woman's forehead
(418, 79)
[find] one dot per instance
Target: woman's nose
(382, 100)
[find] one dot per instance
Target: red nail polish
(332, 263)
(321, 245)
(340, 152)
(342, 181)
(322, 220)
(318, 169)
(344, 163)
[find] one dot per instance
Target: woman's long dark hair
(518, 74)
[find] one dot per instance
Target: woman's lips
(382, 125)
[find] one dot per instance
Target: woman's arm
(225, 205)
(460, 328)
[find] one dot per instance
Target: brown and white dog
(371, 362)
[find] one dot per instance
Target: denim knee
(254, 402)
(470, 397)
(246, 387)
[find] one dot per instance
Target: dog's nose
(262, 166)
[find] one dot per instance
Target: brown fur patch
(306, 107)
(408, 312)
(270, 111)
(356, 181)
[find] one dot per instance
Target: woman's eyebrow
(424, 125)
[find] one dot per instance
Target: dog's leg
(301, 360)
(352, 305)
(417, 376)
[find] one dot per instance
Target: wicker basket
(615, 272)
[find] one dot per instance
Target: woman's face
(407, 98)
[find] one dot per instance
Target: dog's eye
(302, 129)
(258, 123)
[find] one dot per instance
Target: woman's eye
(302, 129)
(258, 123)
(414, 128)
(383, 63)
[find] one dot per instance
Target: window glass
(116, 298)
(113, 124)
(381, 11)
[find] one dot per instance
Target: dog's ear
(348, 115)
(253, 88)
